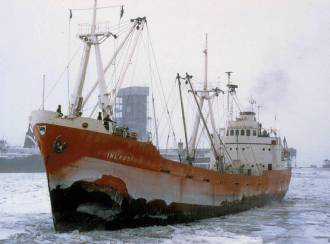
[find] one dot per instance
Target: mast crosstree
(94, 35)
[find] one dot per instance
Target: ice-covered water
(302, 217)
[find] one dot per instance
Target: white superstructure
(253, 149)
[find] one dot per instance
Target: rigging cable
(61, 75)
(121, 57)
(151, 74)
(162, 89)
(69, 55)
(171, 110)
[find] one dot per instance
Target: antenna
(252, 102)
(43, 91)
(258, 107)
(229, 75)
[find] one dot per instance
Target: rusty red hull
(103, 181)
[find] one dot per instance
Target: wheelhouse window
(231, 132)
(248, 132)
(254, 132)
(227, 133)
(242, 132)
(237, 132)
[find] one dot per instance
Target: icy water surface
(302, 217)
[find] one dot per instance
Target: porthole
(230, 149)
(263, 149)
(268, 149)
(243, 149)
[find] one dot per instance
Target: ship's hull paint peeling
(88, 206)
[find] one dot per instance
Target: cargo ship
(21, 159)
(326, 164)
(103, 176)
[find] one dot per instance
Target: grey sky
(279, 51)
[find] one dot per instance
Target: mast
(230, 97)
(215, 141)
(192, 141)
(216, 155)
(229, 100)
(103, 94)
(89, 39)
(77, 99)
(110, 62)
(183, 119)
(216, 138)
(208, 97)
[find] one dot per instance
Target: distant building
(131, 109)
(293, 155)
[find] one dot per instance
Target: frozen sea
(302, 217)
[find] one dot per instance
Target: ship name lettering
(117, 156)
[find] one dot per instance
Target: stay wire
(61, 76)
(162, 89)
(151, 74)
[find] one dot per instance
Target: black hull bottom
(86, 206)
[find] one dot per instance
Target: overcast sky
(279, 52)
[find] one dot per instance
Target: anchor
(58, 145)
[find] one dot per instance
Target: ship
(326, 164)
(21, 159)
(102, 176)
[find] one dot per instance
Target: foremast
(91, 39)
(96, 36)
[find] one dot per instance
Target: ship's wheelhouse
(251, 148)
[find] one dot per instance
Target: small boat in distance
(103, 176)
(326, 164)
